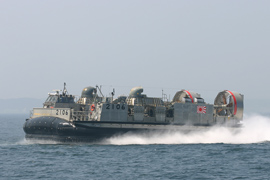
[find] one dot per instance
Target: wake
(256, 129)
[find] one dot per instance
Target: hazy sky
(204, 46)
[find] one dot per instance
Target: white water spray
(255, 129)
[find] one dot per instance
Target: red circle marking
(235, 103)
(189, 95)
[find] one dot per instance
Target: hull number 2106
(116, 106)
(61, 112)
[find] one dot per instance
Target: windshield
(52, 99)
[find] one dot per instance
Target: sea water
(214, 154)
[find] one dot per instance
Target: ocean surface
(215, 154)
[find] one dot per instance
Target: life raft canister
(93, 107)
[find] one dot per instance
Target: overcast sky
(204, 46)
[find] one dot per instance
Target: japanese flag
(201, 109)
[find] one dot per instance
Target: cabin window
(49, 99)
(66, 99)
(52, 99)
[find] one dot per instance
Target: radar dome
(88, 92)
(136, 92)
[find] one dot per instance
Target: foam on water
(255, 129)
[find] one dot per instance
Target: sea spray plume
(170, 137)
(255, 129)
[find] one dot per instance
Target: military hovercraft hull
(93, 117)
(59, 130)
